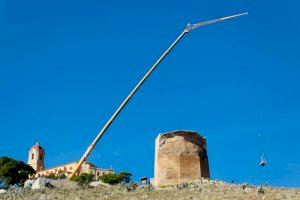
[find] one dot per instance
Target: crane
(188, 28)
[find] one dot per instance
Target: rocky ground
(200, 189)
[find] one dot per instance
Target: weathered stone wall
(180, 156)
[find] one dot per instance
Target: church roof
(36, 147)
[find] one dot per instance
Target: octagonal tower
(180, 156)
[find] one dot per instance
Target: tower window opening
(32, 156)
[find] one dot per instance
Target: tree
(13, 171)
(113, 179)
(83, 179)
(126, 176)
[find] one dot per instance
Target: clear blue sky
(66, 65)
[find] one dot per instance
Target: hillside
(199, 189)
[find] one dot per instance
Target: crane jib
(140, 83)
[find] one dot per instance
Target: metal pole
(123, 104)
(140, 83)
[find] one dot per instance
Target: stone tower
(36, 157)
(180, 156)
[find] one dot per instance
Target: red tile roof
(36, 146)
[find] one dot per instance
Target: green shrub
(83, 179)
(13, 171)
(51, 176)
(126, 176)
(55, 177)
(113, 179)
(61, 176)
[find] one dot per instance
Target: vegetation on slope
(13, 171)
(112, 179)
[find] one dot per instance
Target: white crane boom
(139, 84)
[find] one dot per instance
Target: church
(36, 159)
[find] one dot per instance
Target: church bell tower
(36, 157)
